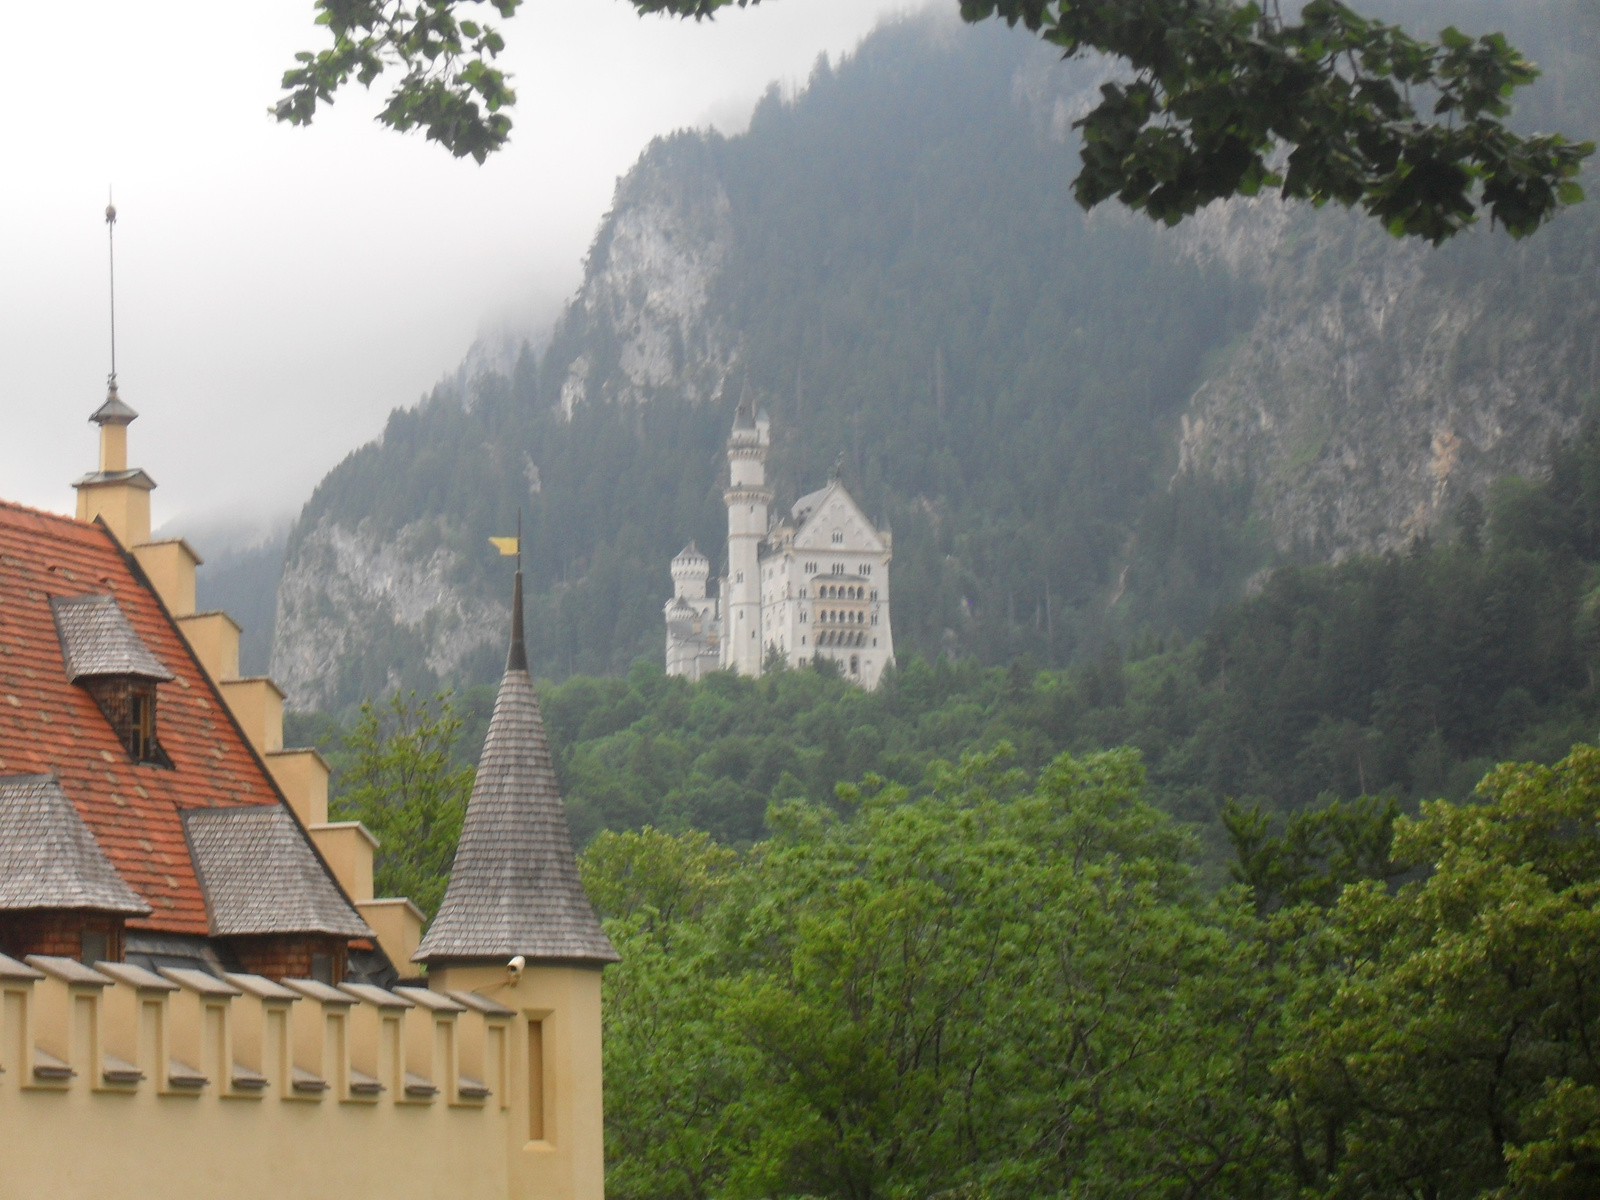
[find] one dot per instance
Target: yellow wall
(257, 705)
(214, 638)
(169, 566)
(125, 505)
(153, 1138)
(569, 1161)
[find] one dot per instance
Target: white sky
(279, 290)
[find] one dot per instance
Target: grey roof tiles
(514, 887)
(96, 639)
(260, 875)
(48, 857)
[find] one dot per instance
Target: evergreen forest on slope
(1407, 675)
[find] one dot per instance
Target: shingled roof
(260, 875)
(50, 727)
(96, 639)
(514, 887)
(48, 857)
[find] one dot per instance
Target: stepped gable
(514, 886)
(50, 727)
(48, 857)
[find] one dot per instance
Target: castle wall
(147, 1086)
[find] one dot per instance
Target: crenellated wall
(117, 1081)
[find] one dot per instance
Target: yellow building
(199, 992)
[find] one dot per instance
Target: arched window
(838, 537)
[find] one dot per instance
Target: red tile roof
(48, 725)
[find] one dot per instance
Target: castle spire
(517, 655)
(116, 494)
(514, 886)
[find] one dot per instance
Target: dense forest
(1010, 985)
(1406, 675)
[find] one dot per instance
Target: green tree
(403, 786)
(1447, 1047)
(672, 1075)
(1217, 89)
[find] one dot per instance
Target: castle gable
(835, 509)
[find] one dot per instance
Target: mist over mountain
(1081, 428)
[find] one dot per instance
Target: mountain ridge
(1080, 426)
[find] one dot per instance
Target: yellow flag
(506, 546)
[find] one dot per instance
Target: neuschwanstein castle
(815, 585)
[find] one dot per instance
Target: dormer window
(129, 706)
(103, 655)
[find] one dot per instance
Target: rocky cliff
(1382, 382)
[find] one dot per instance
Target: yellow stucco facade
(119, 1082)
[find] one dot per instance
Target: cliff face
(349, 596)
(1383, 381)
(639, 327)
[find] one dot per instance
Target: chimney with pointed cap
(115, 494)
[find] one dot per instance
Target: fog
(279, 290)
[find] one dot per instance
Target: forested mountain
(1082, 429)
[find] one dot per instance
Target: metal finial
(838, 467)
(111, 249)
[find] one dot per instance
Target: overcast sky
(279, 290)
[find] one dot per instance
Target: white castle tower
(747, 498)
(815, 585)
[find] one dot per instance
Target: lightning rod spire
(111, 250)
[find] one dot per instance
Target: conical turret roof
(514, 887)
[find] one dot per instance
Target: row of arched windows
(842, 637)
(844, 593)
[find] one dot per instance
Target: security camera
(514, 968)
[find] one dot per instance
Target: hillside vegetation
(1407, 675)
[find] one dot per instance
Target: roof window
(104, 655)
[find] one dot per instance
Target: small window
(866, 568)
(536, 1081)
(855, 665)
(95, 946)
(838, 568)
(838, 537)
(129, 706)
(322, 968)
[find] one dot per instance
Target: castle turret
(747, 497)
(514, 894)
(690, 570)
